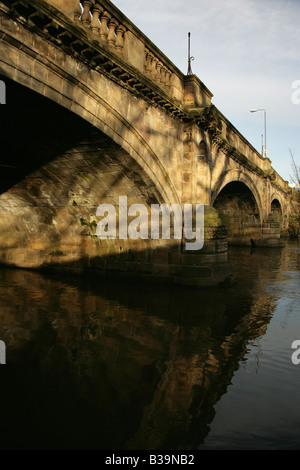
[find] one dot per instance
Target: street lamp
(265, 113)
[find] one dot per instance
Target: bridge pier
(271, 233)
(210, 265)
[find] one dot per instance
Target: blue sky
(247, 52)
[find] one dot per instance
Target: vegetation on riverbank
(294, 219)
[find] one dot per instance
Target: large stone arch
(56, 169)
(73, 85)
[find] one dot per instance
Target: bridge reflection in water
(92, 367)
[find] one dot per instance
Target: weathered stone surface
(133, 125)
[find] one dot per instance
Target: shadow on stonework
(33, 132)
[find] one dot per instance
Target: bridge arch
(277, 209)
(238, 202)
(237, 176)
(51, 188)
(276, 203)
(79, 89)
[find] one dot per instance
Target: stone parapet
(105, 25)
(112, 28)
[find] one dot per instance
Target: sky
(247, 53)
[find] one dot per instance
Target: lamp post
(265, 118)
(190, 58)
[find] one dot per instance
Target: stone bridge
(95, 111)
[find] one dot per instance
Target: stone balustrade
(156, 69)
(101, 19)
(92, 15)
(105, 23)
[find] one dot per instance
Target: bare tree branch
(295, 177)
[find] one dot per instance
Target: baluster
(153, 67)
(148, 63)
(146, 52)
(86, 17)
(111, 38)
(95, 24)
(168, 78)
(158, 69)
(120, 31)
(105, 17)
(77, 12)
(163, 74)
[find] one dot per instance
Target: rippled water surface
(107, 365)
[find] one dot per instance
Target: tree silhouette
(295, 177)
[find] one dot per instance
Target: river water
(107, 365)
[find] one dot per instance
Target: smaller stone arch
(238, 202)
(237, 176)
(238, 208)
(280, 213)
(276, 210)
